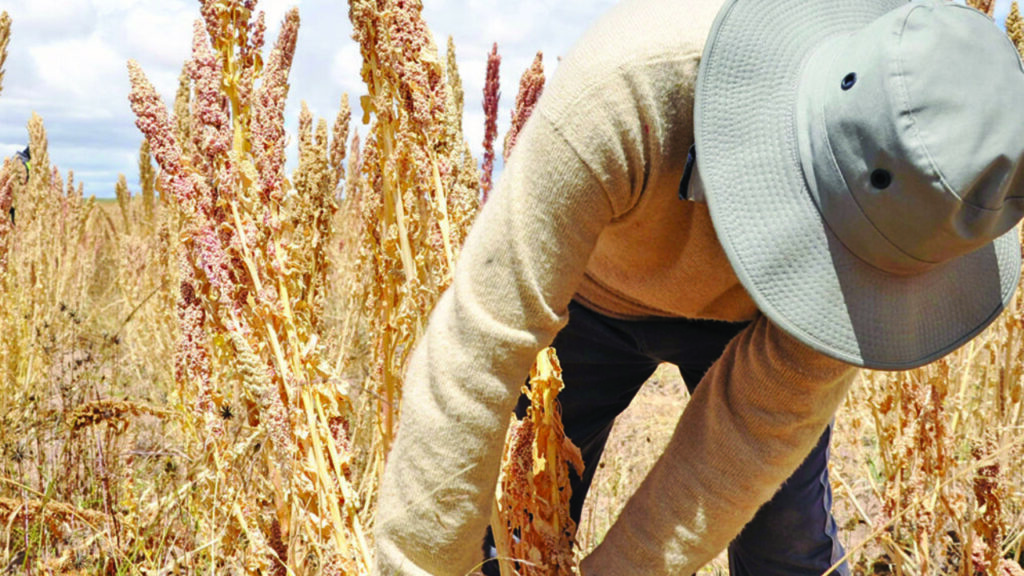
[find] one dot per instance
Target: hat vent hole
(881, 179)
(849, 80)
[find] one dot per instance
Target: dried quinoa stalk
(533, 531)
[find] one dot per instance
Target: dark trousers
(605, 361)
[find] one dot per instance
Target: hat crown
(908, 139)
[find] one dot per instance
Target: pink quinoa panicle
(420, 81)
(151, 118)
(257, 36)
(211, 130)
(267, 129)
(216, 265)
(492, 94)
(192, 359)
(284, 48)
(210, 10)
(531, 85)
(153, 121)
(226, 20)
(252, 61)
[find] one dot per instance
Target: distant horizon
(67, 62)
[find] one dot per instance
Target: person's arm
(755, 416)
(515, 277)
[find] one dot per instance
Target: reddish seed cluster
(211, 13)
(152, 119)
(211, 129)
(192, 360)
(192, 194)
(251, 60)
(530, 87)
(216, 265)
(267, 127)
(989, 494)
(420, 84)
(518, 466)
(492, 93)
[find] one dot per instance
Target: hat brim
(793, 267)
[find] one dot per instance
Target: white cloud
(346, 66)
(276, 9)
(54, 18)
(156, 35)
(81, 69)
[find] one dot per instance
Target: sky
(67, 62)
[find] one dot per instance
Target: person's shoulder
(635, 35)
(637, 29)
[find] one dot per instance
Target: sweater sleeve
(520, 265)
(754, 417)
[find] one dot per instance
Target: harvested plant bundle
(533, 531)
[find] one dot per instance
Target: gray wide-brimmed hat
(863, 162)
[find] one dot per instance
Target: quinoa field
(205, 375)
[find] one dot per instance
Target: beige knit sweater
(588, 208)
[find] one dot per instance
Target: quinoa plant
(268, 425)
(417, 194)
